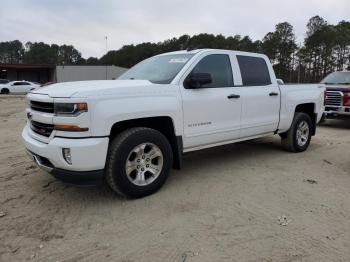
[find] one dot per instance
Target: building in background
(42, 73)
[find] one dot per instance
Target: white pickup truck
(131, 131)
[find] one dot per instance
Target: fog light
(66, 155)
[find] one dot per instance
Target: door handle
(273, 94)
(233, 96)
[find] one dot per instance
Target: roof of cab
(181, 52)
(196, 51)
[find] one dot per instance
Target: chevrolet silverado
(131, 131)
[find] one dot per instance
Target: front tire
(298, 137)
(138, 162)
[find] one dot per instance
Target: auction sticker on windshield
(178, 60)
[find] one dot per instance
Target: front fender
(107, 112)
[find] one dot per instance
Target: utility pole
(106, 54)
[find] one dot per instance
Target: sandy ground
(223, 206)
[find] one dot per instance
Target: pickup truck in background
(338, 94)
(131, 131)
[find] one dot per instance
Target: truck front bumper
(88, 157)
(335, 112)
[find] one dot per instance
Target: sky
(85, 23)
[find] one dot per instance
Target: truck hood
(92, 88)
(343, 88)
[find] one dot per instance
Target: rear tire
(298, 137)
(138, 162)
(4, 91)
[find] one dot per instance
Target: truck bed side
(295, 95)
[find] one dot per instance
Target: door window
(219, 67)
(254, 71)
(21, 84)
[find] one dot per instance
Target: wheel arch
(309, 109)
(163, 124)
(4, 89)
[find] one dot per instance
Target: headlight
(70, 109)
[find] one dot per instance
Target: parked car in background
(338, 94)
(18, 87)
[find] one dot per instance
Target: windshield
(337, 78)
(158, 69)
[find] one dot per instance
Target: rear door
(211, 113)
(260, 96)
(25, 87)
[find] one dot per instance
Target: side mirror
(280, 81)
(197, 80)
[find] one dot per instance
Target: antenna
(106, 54)
(190, 48)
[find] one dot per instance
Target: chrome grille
(334, 98)
(41, 128)
(46, 107)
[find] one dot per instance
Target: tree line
(14, 52)
(325, 48)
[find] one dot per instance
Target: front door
(211, 112)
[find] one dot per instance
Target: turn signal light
(82, 106)
(70, 128)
